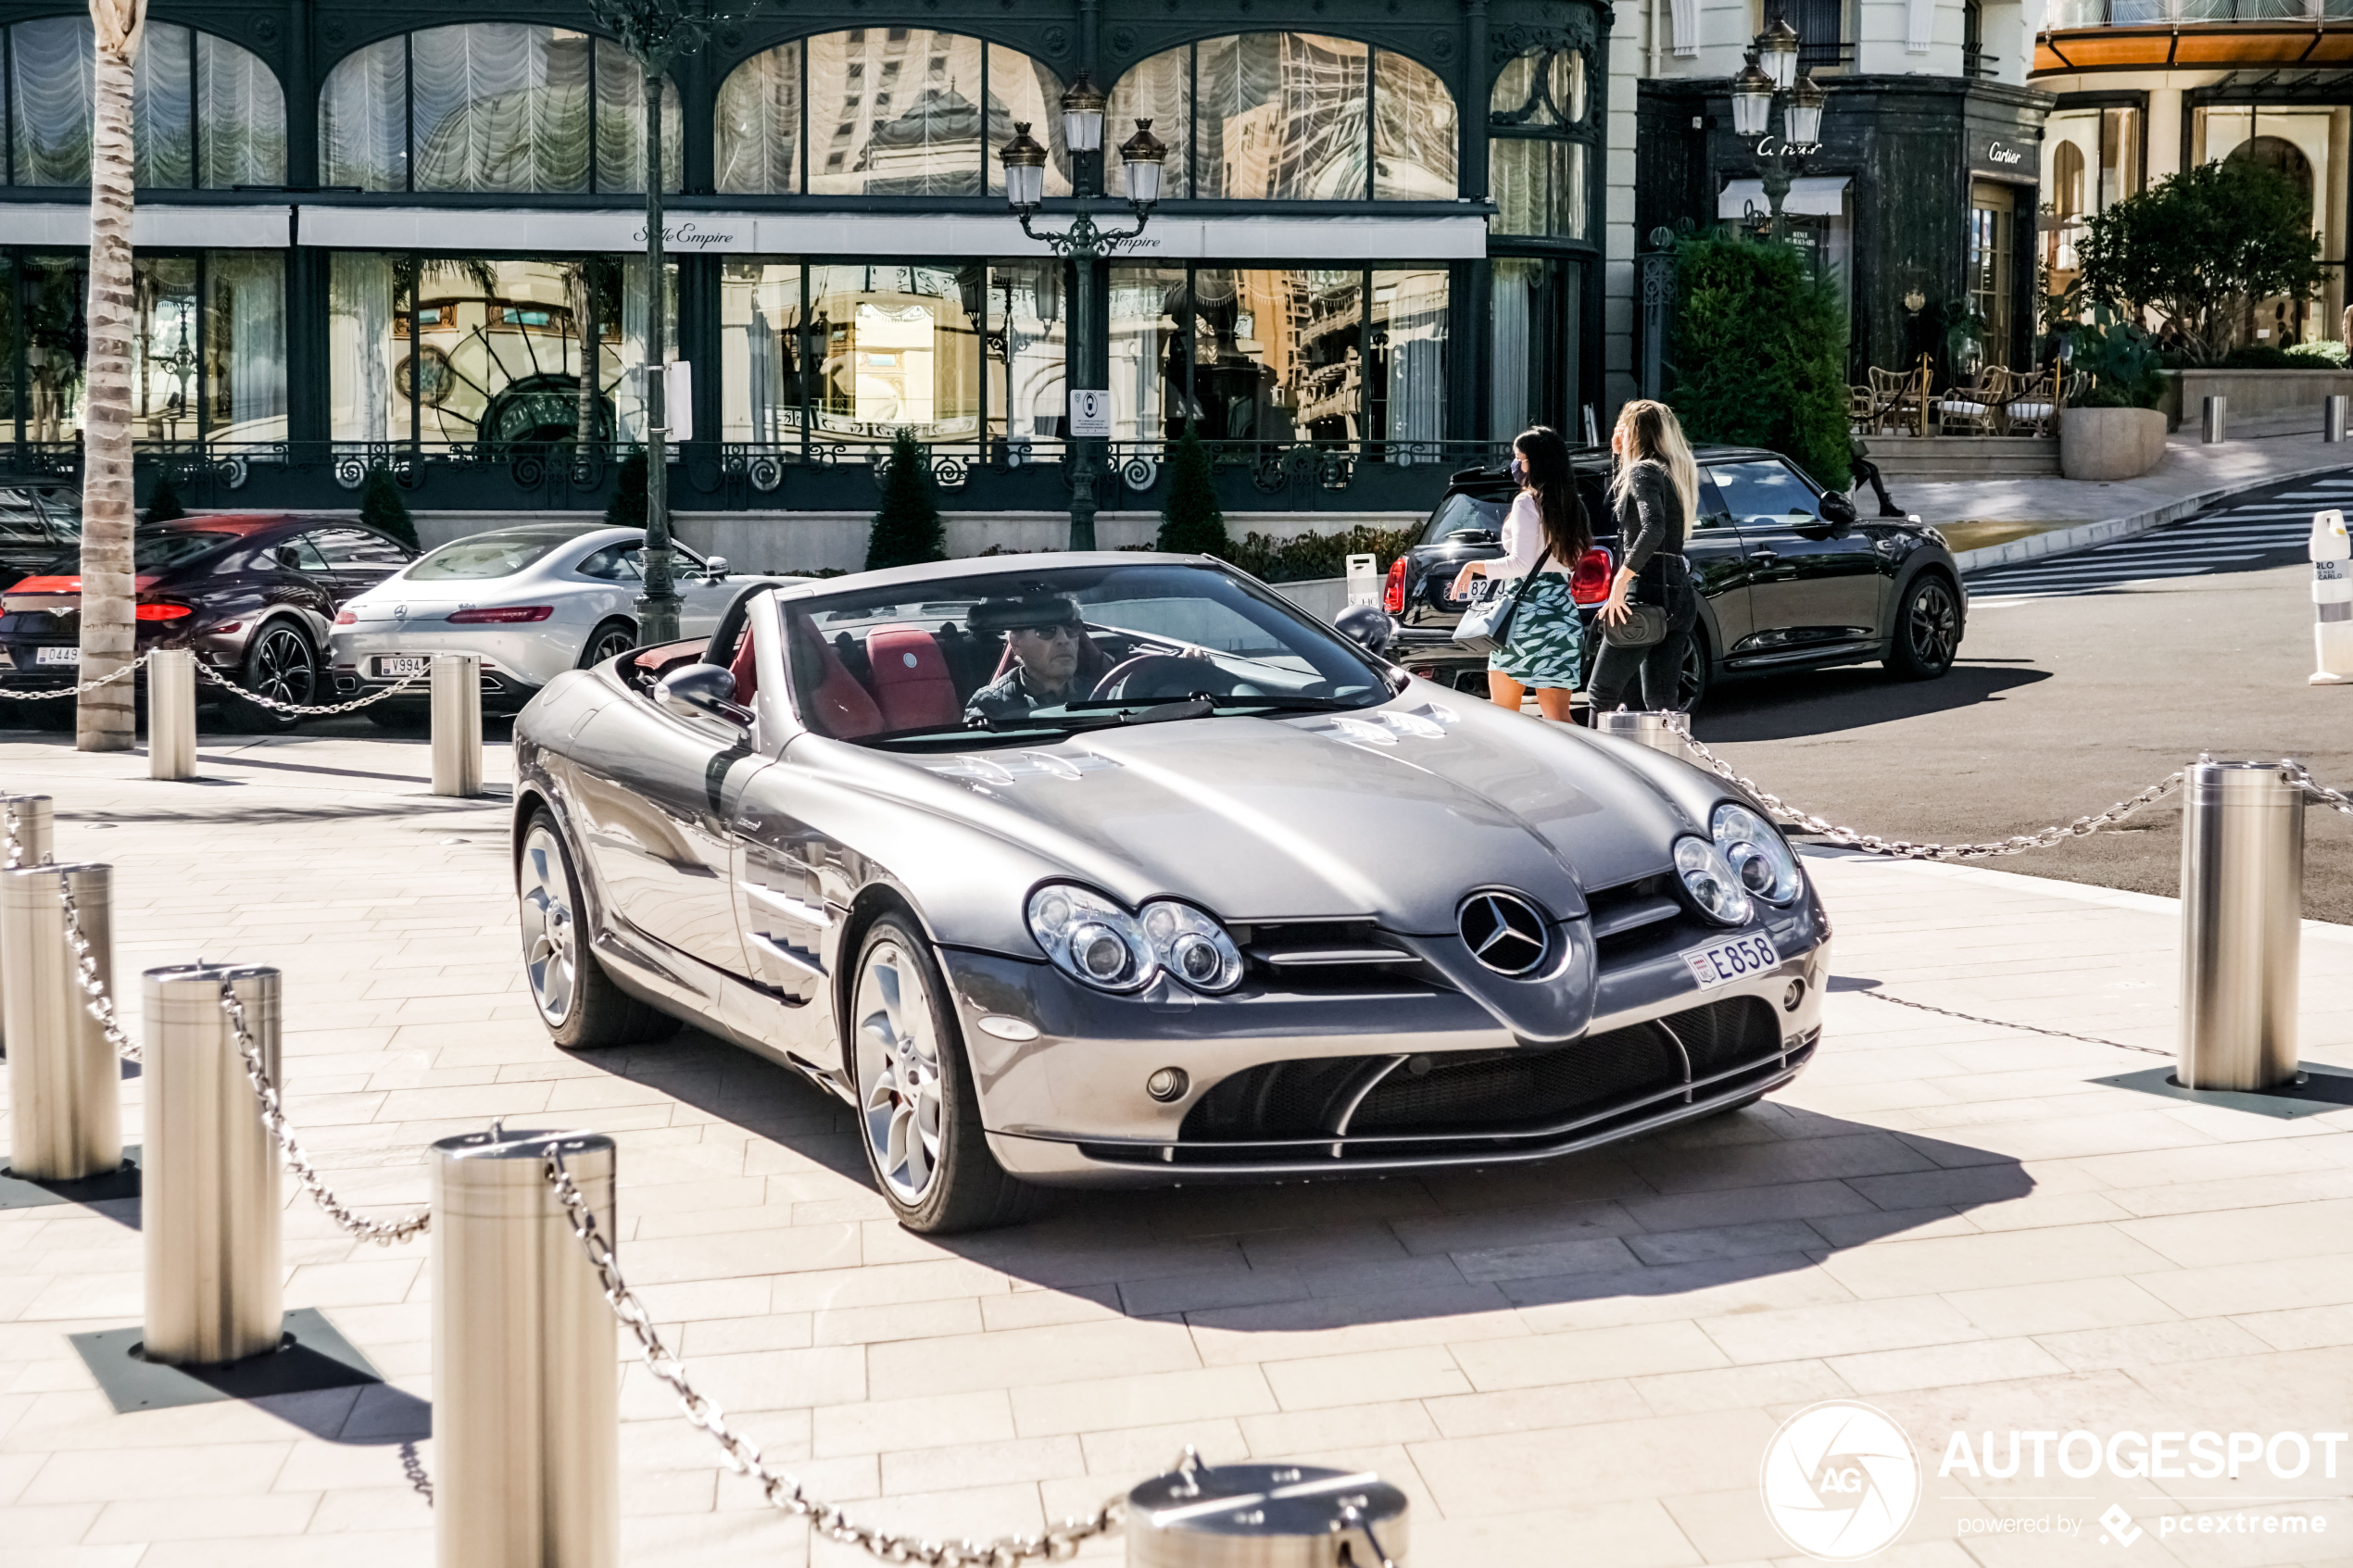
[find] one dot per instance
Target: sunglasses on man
(1054, 634)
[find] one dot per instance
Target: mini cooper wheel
(577, 1000)
(1928, 630)
(1690, 681)
(282, 666)
(916, 1105)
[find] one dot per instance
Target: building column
(2167, 135)
(2333, 236)
(1620, 290)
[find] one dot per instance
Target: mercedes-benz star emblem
(1503, 932)
(400, 612)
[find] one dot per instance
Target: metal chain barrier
(75, 690)
(782, 1491)
(302, 710)
(16, 847)
(2335, 798)
(94, 989)
(1904, 850)
(381, 1231)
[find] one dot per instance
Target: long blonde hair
(1650, 432)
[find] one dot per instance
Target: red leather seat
(745, 670)
(912, 683)
(832, 703)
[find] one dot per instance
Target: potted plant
(2112, 427)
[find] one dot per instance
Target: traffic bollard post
(2333, 416)
(171, 714)
(213, 1207)
(2217, 418)
(1660, 732)
(64, 1085)
(526, 1418)
(29, 819)
(2332, 556)
(457, 723)
(2242, 920)
(1265, 1516)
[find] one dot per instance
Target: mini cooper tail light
(1589, 583)
(1393, 593)
(349, 618)
(163, 610)
(506, 615)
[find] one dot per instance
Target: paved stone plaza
(1972, 1226)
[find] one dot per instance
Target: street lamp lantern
(1805, 112)
(1025, 163)
(1143, 154)
(1777, 43)
(1752, 101)
(1083, 115)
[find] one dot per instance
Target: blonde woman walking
(1655, 493)
(1546, 532)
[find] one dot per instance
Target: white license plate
(1723, 962)
(394, 665)
(56, 656)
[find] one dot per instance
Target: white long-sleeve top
(1523, 540)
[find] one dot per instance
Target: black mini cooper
(1789, 577)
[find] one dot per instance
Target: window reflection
(1406, 392)
(900, 349)
(1540, 187)
(56, 341)
(205, 114)
(1150, 354)
(761, 349)
(1028, 327)
(759, 123)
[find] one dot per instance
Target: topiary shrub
(906, 529)
(382, 508)
(1191, 523)
(2320, 354)
(627, 507)
(1759, 354)
(2258, 357)
(163, 502)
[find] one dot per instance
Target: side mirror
(1838, 511)
(702, 691)
(715, 567)
(1367, 626)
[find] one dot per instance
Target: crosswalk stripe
(2120, 574)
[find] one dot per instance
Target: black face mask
(1519, 472)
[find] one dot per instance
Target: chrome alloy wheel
(550, 937)
(900, 1089)
(609, 642)
(282, 669)
(1934, 625)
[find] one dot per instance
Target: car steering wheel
(1159, 675)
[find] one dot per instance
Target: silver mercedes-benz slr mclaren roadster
(1120, 868)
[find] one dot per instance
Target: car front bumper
(1071, 1106)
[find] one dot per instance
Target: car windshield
(966, 661)
(152, 552)
(487, 555)
(1458, 512)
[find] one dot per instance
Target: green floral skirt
(1547, 641)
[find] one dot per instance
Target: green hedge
(1759, 354)
(1317, 555)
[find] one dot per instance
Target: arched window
(1282, 117)
(1540, 142)
(2067, 181)
(884, 111)
(206, 115)
(492, 107)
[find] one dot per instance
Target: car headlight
(1090, 938)
(1192, 946)
(1761, 861)
(1710, 882)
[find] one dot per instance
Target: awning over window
(1821, 196)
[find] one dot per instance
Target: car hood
(1395, 813)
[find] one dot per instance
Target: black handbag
(1645, 626)
(1486, 627)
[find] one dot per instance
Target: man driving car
(1045, 633)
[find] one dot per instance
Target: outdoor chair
(1894, 401)
(1974, 409)
(2032, 408)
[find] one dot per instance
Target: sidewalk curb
(2062, 541)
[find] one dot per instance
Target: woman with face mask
(1545, 533)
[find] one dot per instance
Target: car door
(1810, 580)
(355, 561)
(656, 793)
(1720, 567)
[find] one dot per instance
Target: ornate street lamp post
(1025, 163)
(1768, 89)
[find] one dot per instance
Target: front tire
(1928, 630)
(1692, 682)
(577, 1000)
(917, 1109)
(279, 664)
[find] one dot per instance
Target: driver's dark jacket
(1008, 697)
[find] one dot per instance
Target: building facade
(414, 237)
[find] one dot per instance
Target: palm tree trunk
(105, 720)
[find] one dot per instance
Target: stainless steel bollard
(526, 1417)
(171, 714)
(457, 723)
(1264, 1516)
(2333, 416)
(64, 1094)
(2218, 419)
(2242, 911)
(34, 825)
(1660, 732)
(213, 1207)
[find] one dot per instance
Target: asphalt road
(2075, 689)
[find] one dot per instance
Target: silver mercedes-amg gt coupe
(1119, 868)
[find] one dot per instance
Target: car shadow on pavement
(1744, 1211)
(1823, 701)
